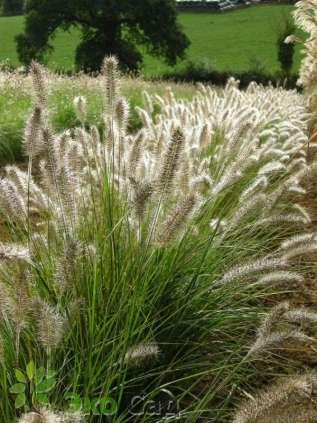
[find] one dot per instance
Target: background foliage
(105, 27)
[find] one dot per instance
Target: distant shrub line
(204, 73)
(203, 6)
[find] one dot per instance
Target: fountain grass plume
(289, 400)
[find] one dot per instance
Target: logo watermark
(34, 386)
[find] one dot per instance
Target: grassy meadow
(235, 40)
(16, 101)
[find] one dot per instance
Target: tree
(12, 7)
(286, 50)
(117, 27)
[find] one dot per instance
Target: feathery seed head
(272, 318)
(80, 108)
(290, 400)
(40, 85)
(95, 136)
(32, 134)
(135, 152)
(201, 184)
(291, 39)
(142, 192)
(301, 315)
(66, 265)
(122, 114)
(277, 339)
(5, 299)
(110, 71)
(142, 353)
(259, 183)
(72, 418)
(177, 219)
(170, 162)
(280, 277)
(297, 240)
(110, 66)
(43, 415)
(14, 252)
(51, 325)
(205, 136)
(308, 247)
(20, 300)
(289, 219)
(254, 266)
(148, 102)
(268, 336)
(302, 212)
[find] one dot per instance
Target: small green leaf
(30, 370)
(42, 399)
(20, 376)
(46, 385)
(39, 375)
(18, 388)
(20, 401)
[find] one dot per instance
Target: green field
(233, 40)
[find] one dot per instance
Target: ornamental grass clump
(135, 263)
(305, 20)
(290, 400)
(286, 328)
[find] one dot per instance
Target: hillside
(233, 40)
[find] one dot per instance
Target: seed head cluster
(191, 157)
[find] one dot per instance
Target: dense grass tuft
(135, 262)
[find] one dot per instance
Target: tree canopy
(286, 51)
(117, 27)
(12, 7)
